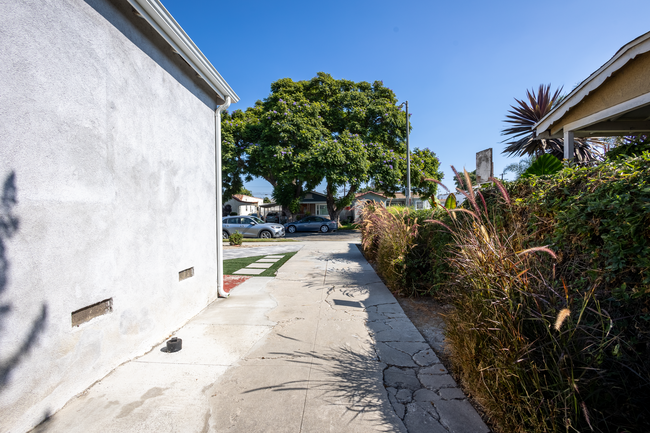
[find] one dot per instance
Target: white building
(109, 212)
(244, 204)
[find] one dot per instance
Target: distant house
(243, 204)
(385, 200)
(314, 203)
(416, 201)
(109, 212)
(370, 196)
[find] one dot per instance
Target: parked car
(275, 217)
(312, 224)
(250, 227)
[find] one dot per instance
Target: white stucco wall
(111, 146)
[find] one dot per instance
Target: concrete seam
(181, 363)
(311, 362)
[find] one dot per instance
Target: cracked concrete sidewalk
(324, 346)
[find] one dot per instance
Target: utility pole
(408, 158)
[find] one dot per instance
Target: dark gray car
(312, 224)
(250, 227)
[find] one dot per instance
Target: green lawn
(348, 226)
(232, 265)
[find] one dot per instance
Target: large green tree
(338, 131)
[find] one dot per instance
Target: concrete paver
(249, 271)
(323, 346)
(260, 265)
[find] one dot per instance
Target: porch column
(568, 145)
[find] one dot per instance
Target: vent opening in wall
(85, 314)
(187, 273)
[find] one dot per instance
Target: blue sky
(458, 63)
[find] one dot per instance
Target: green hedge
(597, 220)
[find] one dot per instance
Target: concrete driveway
(322, 347)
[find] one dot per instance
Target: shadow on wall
(9, 224)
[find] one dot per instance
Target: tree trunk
(332, 208)
(287, 212)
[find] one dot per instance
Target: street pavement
(322, 347)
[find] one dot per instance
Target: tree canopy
(472, 179)
(337, 131)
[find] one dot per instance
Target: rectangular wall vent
(187, 273)
(85, 314)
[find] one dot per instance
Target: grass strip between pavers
(232, 265)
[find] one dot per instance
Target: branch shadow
(344, 377)
(9, 226)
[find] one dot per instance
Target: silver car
(250, 227)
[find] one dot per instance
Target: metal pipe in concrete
(219, 189)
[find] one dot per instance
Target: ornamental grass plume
(561, 317)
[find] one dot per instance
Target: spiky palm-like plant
(525, 115)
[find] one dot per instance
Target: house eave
(161, 20)
(628, 52)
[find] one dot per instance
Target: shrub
(410, 254)
(426, 269)
(387, 238)
(598, 220)
(541, 352)
(236, 238)
(629, 150)
(550, 277)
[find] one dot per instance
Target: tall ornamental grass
(410, 254)
(388, 238)
(550, 277)
(539, 355)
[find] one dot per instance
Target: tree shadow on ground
(9, 225)
(348, 378)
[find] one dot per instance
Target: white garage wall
(109, 143)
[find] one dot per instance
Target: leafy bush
(410, 254)
(598, 221)
(388, 238)
(551, 283)
(539, 358)
(595, 374)
(236, 238)
(629, 150)
(543, 165)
